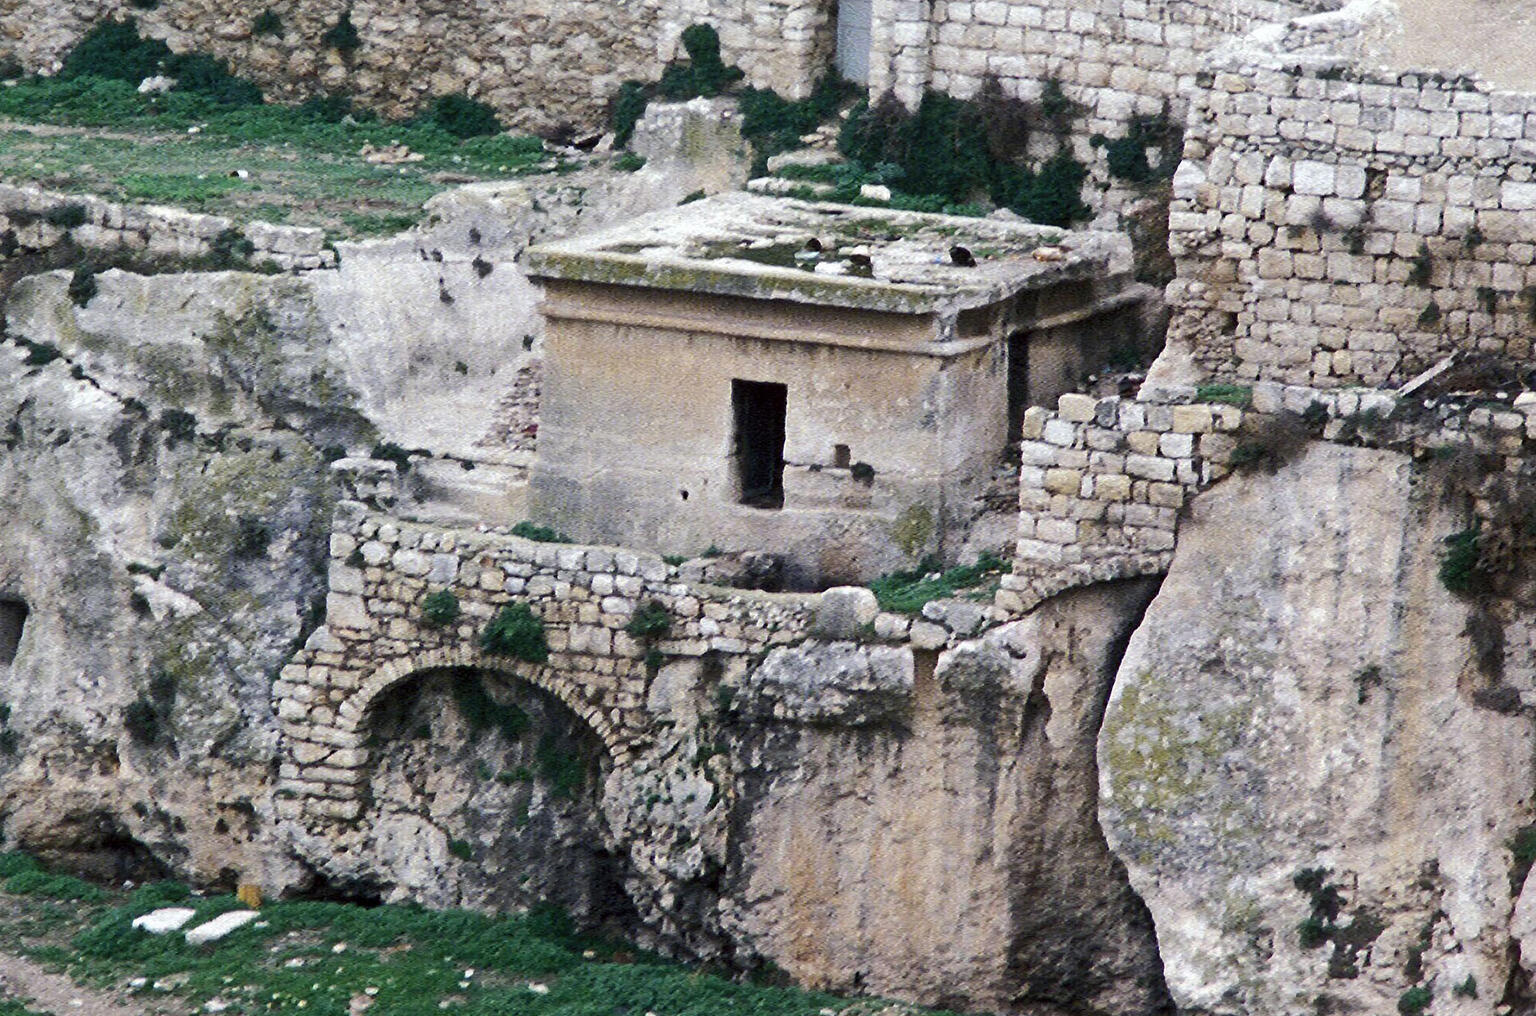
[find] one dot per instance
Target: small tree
(517, 632)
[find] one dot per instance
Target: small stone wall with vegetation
(590, 625)
(536, 62)
(1334, 226)
(32, 219)
(1104, 481)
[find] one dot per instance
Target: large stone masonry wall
(1334, 227)
(39, 220)
(536, 61)
(381, 569)
(1104, 481)
(1114, 59)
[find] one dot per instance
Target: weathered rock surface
(952, 855)
(1293, 766)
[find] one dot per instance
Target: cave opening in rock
(13, 619)
(499, 783)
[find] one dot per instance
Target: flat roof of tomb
(880, 259)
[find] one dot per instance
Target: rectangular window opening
(1018, 385)
(758, 443)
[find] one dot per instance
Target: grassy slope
(96, 136)
(316, 959)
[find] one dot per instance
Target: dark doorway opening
(1018, 385)
(13, 617)
(758, 445)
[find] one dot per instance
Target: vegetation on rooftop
(906, 592)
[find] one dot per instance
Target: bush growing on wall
(704, 73)
(114, 50)
(462, 116)
(516, 632)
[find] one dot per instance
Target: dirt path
(25, 981)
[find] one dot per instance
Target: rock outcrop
(1296, 768)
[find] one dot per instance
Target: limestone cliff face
(1294, 765)
(952, 854)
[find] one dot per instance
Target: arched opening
(13, 618)
(484, 792)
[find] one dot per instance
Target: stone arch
(353, 712)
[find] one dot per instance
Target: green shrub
(439, 608)
(482, 712)
(179, 425)
(907, 592)
(388, 451)
(82, 286)
(41, 354)
(252, 537)
(267, 23)
(1127, 156)
(15, 863)
(628, 107)
(53, 887)
(113, 49)
(517, 632)
(650, 621)
(1240, 396)
(1461, 563)
(1430, 315)
(209, 76)
(1414, 1001)
(1422, 267)
(563, 770)
(542, 534)
(66, 216)
(704, 73)
(462, 116)
(629, 162)
(461, 849)
(342, 36)
(142, 721)
(1467, 988)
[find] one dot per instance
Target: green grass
(312, 959)
(907, 592)
(301, 165)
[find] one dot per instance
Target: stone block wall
(1334, 226)
(374, 637)
(1103, 481)
(38, 220)
(536, 61)
(1114, 59)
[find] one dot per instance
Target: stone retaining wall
(374, 636)
(39, 220)
(536, 61)
(1103, 481)
(1335, 227)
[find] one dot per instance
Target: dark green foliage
(388, 451)
(563, 770)
(862, 471)
(704, 73)
(53, 887)
(82, 286)
(1055, 197)
(179, 425)
(1231, 395)
(1055, 105)
(1127, 156)
(1422, 268)
(541, 534)
(629, 162)
(66, 216)
(1430, 315)
(462, 116)
(144, 5)
(439, 608)
(650, 621)
(654, 658)
(251, 537)
(1467, 988)
(628, 107)
(334, 109)
(484, 713)
(230, 248)
(1522, 849)
(516, 632)
(342, 36)
(774, 124)
(1461, 569)
(113, 49)
(907, 592)
(41, 353)
(461, 849)
(1474, 238)
(267, 23)
(1414, 1001)
(1313, 933)
(14, 862)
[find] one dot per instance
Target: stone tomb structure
(836, 383)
